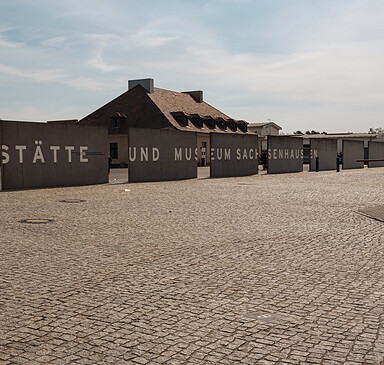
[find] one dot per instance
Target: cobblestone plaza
(266, 269)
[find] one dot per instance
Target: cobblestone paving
(268, 269)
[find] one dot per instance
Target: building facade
(263, 130)
(144, 106)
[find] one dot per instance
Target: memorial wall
(161, 154)
(353, 151)
(376, 152)
(326, 151)
(233, 155)
(285, 154)
(40, 155)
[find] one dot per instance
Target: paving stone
(282, 270)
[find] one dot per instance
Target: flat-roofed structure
(263, 130)
(340, 137)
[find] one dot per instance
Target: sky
(304, 64)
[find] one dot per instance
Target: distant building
(365, 137)
(263, 130)
(144, 106)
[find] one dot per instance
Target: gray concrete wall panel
(40, 155)
(376, 151)
(1, 159)
(285, 154)
(326, 150)
(161, 154)
(352, 151)
(233, 155)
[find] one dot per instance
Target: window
(115, 123)
(114, 150)
(181, 118)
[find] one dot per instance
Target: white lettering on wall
(178, 154)
(83, 150)
(69, 149)
(285, 153)
(4, 155)
(219, 153)
(20, 149)
(188, 157)
(54, 149)
(132, 158)
(155, 154)
(195, 154)
(38, 153)
(144, 154)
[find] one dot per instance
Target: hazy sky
(305, 64)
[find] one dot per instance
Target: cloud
(252, 59)
(7, 44)
(101, 42)
(98, 63)
(56, 42)
(4, 43)
(150, 39)
(57, 76)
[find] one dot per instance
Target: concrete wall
(39, 155)
(1, 158)
(326, 150)
(376, 151)
(233, 155)
(161, 154)
(285, 154)
(352, 151)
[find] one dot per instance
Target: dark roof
(162, 109)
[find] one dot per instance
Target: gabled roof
(171, 101)
(139, 108)
(133, 108)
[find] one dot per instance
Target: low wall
(352, 151)
(233, 155)
(285, 154)
(376, 151)
(326, 151)
(40, 155)
(161, 154)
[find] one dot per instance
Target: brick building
(144, 106)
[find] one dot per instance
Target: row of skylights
(212, 123)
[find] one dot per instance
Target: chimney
(197, 95)
(147, 84)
